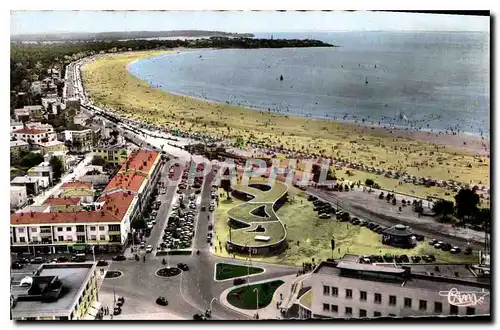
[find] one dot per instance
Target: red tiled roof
(140, 160)
(30, 131)
(62, 201)
(130, 180)
(77, 184)
(114, 209)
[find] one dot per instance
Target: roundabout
(168, 272)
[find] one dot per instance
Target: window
(335, 291)
(326, 290)
(80, 238)
(348, 311)
(22, 239)
(348, 293)
(471, 311)
(335, 308)
(80, 228)
(326, 307)
(60, 238)
(376, 314)
(408, 302)
(33, 229)
(362, 295)
(453, 310)
(93, 237)
(69, 238)
(68, 228)
(102, 238)
(392, 300)
(20, 230)
(114, 227)
(92, 228)
(101, 228)
(362, 313)
(378, 298)
(438, 307)
(59, 229)
(422, 305)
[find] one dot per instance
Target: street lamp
(257, 290)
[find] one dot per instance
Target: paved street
(78, 171)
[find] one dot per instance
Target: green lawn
(246, 298)
(309, 237)
(225, 271)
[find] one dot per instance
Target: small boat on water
(366, 80)
(281, 78)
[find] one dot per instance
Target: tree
(369, 182)
(139, 224)
(98, 161)
(31, 159)
(466, 201)
(418, 207)
(394, 201)
(57, 167)
(345, 216)
(443, 208)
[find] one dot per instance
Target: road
(424, 229)
(78, 171)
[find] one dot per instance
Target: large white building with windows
(106, 225)
(346, 289)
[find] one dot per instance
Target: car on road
(209, 240)
(162, 301)
(79, 257)
(23, 260)
(210, 227)
(16, 265)
(149, 249)
(62, 259)
(211, 208)
(119, 258)
(37, 260)
(183, 267)
(239, 281)
(143, 245)
(203, 208)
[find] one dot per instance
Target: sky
(30, 22)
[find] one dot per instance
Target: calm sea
(430, 81)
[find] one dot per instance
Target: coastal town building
(61, 155)
(80, 141)
(106, 225)
(34, 133)
(32, 184)
(43, 169)
(115, 154)
(17, 147)
(348, 289)
(51, 146)
(52, 105)
(67, 291)
(29, 112)
(15, 125)
(18, 196)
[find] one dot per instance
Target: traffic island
(253, 296)
(113, 274)
(168, 272)
(225, 271)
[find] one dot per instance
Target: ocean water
(430, 81)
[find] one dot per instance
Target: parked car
(446, 247)
(433, 241)
(37, 260)
(162, 301)
(183, 267)
(149, 249)
(438, 244)
(467, 251)
(62, 259)
(119, 258)
(239, 281)
(419, 237)
(102, 263)
(16, 265)
(143, 245)
(455, 249)
(117, 311)
(203, 208)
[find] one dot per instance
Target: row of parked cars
(448, 247)
(396, 258)
(22, 261)
(180, 229)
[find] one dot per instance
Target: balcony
(114, 232)
(98, 242)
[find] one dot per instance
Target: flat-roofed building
(81, 141)
(32, 184)
(43, 169)
(17, 147)
(66, 291)
(348, 289)
(116, 154)
(51, 146)
(15, 125)
(18, 196)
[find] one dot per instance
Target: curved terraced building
(255, 224)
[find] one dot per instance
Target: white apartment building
(34, 135)
(346, 289)
(18, 196)
(82, 141)
(44, 169)
(107, 226)
(15, 125)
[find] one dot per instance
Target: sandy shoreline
(464, 142)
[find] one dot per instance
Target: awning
(79, 247)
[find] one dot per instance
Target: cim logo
(464, 299)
